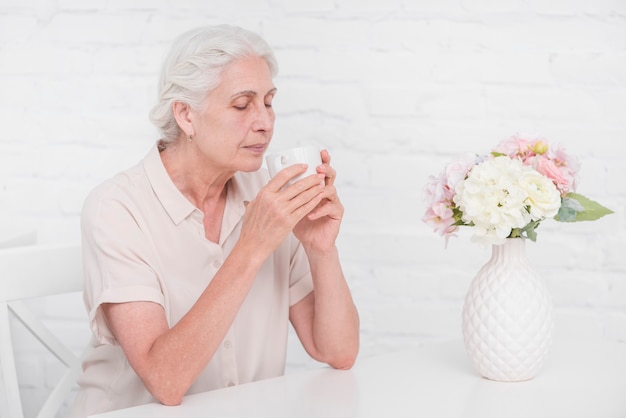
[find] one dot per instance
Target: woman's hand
(276, 210)
(318, 230)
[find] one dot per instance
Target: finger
(329, 174)
(325, 156)
(302, 211)
(299, 186)
(333, 210)
(305, 196)
(329, 206)
(326, 169)
(281, 178)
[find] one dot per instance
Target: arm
(168, 360)
(326, 321)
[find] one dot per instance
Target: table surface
(579, 379)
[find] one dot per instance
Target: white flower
(493, 200)
(544, 198)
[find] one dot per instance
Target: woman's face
(236, 126)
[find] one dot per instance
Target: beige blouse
(144, 241)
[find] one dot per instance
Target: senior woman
(195, 260)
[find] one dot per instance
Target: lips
(256, 147)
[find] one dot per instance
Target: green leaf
(529, 230)
(577, 208)
(566, 214)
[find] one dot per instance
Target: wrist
(251, 255)
(321, 254)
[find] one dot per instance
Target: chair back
(15, 236)
(31, 272)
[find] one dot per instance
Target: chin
(249, 168)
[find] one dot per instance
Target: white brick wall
(394, 89)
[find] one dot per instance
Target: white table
(580, 379)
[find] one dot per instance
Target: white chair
(15, 236)
(31, 272)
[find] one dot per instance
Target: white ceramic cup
(309, 155)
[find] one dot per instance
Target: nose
(264, 119)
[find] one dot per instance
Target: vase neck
(512, 249)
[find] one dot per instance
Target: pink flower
(439, 193)
(439, 214)
(551, 170)
(514, 147)
(441, 218)
(568, 165)
(435, 190)
(552, 162)
(456, 172)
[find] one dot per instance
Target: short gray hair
(193, 67)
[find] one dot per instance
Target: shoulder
(120, 190)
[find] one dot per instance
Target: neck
(200, 182)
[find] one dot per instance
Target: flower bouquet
(507, 314)
(508, 193)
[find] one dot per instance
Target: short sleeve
(116, 254)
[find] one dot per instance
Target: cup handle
(278, 162)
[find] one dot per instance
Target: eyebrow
(251, 93)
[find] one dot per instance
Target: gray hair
(193, 67)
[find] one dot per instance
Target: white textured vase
(507, 316)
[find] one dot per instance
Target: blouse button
(217, 264)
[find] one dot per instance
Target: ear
(183, 115)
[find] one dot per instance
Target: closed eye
(269, 97)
